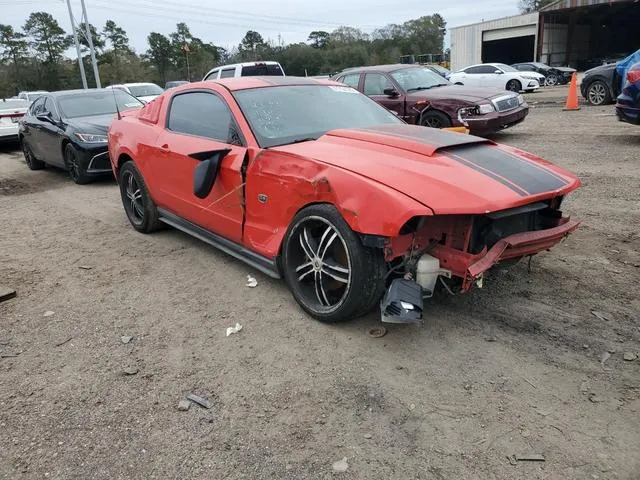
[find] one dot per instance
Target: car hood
(455, 92)
(601, 68)
(564, 69)
(98, 124)
(448, 172)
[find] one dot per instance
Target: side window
(37, 106)
(228, 73)
(213, 75)
(375, 83)
(488, 69)
(473, 70)
(526, 68)
(352, 80)
(50, 107)
(204, 115)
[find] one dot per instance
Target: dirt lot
(520, 367)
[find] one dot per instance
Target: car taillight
(633, 76)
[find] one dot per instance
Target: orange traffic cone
(572, 98)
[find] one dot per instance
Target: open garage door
(509, 50)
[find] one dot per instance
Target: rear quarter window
(228, 73)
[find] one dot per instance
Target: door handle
(165, 148)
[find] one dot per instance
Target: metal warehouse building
(578, 33)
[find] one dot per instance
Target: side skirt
(265, 265)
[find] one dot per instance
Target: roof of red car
(243, 83)
(381, 68)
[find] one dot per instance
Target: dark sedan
(601, 85)
(68, 129)
(422, 97)
(553, 75)
(628, 104)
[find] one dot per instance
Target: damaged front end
(458, 249)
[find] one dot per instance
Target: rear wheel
(598, 93)
(72, 161)
(30, 159)
(138, 205)
(435, 119)
(514, 85)
(330, 273)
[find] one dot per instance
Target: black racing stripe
(429, 136)
(526, 175)
(486, 172)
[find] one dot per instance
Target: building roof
(568, 4)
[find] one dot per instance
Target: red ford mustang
(314, 182)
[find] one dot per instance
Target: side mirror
(205, 174)
(45, 117)
(390, 92)
(498, 72)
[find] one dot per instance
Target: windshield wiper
(306, 139)
(415, 89)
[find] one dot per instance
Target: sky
(225, 23)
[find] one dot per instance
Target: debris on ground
(130, 370)
(377, 332)
(512, 459)
(585, 387)
(630, 356)
(126, 339)
(6, 293)
(530, 457)
(251, 282)
(235, 329)
(59, 344)
(340, 466)
(368, 436)
(48, 313)
(85, 267)
(412, 406)
(203, 402)
(604, 357)
(602, 315)
(183, 405)
(593, 398)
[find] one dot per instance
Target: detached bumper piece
(402, 303)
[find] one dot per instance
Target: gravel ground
(520, 367)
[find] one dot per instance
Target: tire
(552, 80)
(77, 171)
(598, 93)
(30, 159)
(435, 119)
(514, 86)
(331, 275)
(138, 205)
(458, 83)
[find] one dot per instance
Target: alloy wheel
(433, 122)
(72, 164)
(28, 154)
(133, 203)
(551, 80)
(319, 263)
(597, 93)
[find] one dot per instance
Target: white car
(497, 75)
(31, 96)
(247, 69)
(11, 112)
(142, 91)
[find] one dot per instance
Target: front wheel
(598, 93)
(551, 80)
(514, 86)
(435, 119)
(77, 171)
(330, 273)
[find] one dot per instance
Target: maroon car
(422, 97)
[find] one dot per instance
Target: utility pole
(96, 74)
(75, 39)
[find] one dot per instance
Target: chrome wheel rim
(133, 199)
(318, 262)
(551, 80)
(597, 93)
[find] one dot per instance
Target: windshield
(414, 79)
(504, 67)
(96, 103)
(34, 96)
(145, 90)
(283, 115)
(540, 65)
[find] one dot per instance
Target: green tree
(159, 53)
(48, 39)
(120, 50)
(181, 47)
(96, 38)
(530, 6)
(13, 47)
(319, 39)
(252, 46)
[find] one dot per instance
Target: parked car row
(352, 206)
